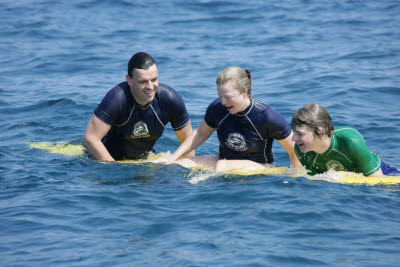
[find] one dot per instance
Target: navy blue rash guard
(248, 134)
(135, 129)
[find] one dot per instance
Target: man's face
(144, 84)
(305, 138)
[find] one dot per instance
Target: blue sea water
(59, 58)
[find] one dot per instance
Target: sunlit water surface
(59, 58)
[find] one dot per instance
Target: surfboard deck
(72, 150)
(62, 148)
(331, 176)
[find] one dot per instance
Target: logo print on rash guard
(335, 165)
(140, 130)
(236, 142)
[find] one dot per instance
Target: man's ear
(129, 80)
(322, 132)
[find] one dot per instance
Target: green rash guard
(347, 152)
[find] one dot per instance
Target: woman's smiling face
(232, 98)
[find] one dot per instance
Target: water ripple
(60, 58)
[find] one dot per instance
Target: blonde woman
(246, 129)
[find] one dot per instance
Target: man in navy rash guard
(133, 115)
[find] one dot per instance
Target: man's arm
(95, 131)
(182, 134)
(378, 173)
(288, 145)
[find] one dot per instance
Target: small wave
(43, 105)
(366, 55)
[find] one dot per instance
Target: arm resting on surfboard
(94, 133)
(378, 173)
(196, 138)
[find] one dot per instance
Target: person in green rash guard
(320, 147)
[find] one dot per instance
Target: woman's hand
(167, 160)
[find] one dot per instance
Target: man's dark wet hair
(140, 60)
(314, 116)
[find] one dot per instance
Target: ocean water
(59, 58)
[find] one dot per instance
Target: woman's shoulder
(216, 105)
(258, 105)
(265, 111)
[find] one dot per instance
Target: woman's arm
(195, 139)
(288, 145)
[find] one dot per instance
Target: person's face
(305, 138)
(231, 98)
(144, 84)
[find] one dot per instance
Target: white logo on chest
(236, 142)
(140, 130)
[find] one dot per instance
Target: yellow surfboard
(67, 149)
(330, 176)
(63, 148)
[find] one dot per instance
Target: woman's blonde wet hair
(241, 77)
(316, 117)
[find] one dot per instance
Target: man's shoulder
(122, 86)
(120, 91)
(348, 137)
(117, 101)
(168, 95)
(345, 133)
(166, 89)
